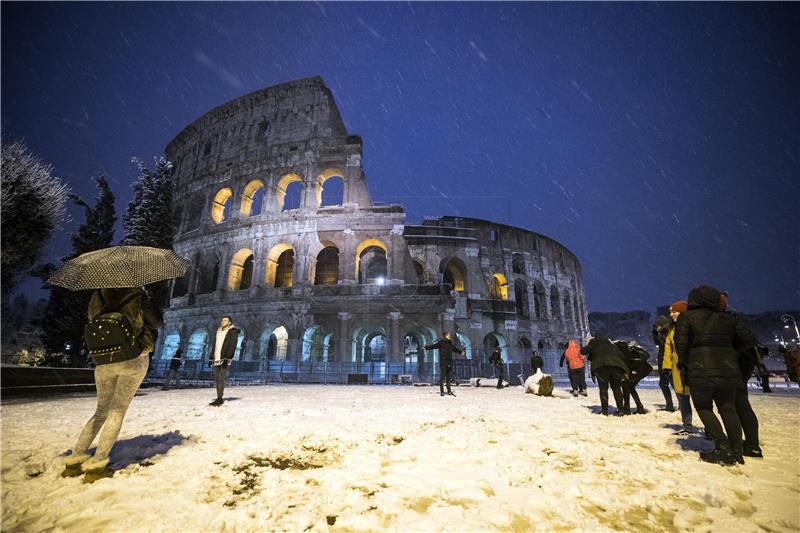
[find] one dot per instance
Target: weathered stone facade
(350, 281)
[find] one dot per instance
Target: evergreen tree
(65, 316)
(33, 206)
(149, 220)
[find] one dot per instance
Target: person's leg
(499, 376)
(580, 374)
(663, 383)
(442, 374)
(616, 388)
(626, 396)
(685, 405)
(748, 419)
(602, 382)
(129, 376)
(449, 372)
(725, 400)
(105, 380)
(223, 375)
(635, 395)
(573, 383)
(702, 397)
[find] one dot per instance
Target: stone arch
(241, 344)
(466, 344)
(322, 180)
(367, 253)
(518, 263)
(493, 340)
(499, 289)
(193, 211)
(555, 305)
(567, 305)
(369, 343)
(172, 341)
(419, 271)
(524, 349)
(208, 274)
(240, 272)
(197, 346)
(454, 273)
(521, 298)
(415, 338)
(273, 344)
(283, 186)
(221, 205)
(539, 300)
(280, 266)
(252, 198)
(180, 287)
(318, 344)
(326, 266)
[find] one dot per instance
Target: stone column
(395, 339)
(394, 259)
(259, 266)
(351, 180)
(224, 264)
(194, 268)
(347, 265)
(344, 351)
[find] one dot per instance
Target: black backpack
(110, 337)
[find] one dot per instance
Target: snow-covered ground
(364, 458)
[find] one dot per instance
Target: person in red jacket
(575, 365)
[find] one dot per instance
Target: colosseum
(277, 219)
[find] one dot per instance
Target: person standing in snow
(708, 342)
(174, 372)
(225, 342)
(446, 348)
(496, 360)
(660, 330)
(791, 358)
(669, 363)
(575, 366)
(537, 363)
(748, 361)
(117, 382)
(608, 368)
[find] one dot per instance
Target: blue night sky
(659, 142)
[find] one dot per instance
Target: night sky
(658, 142)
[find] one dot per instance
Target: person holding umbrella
(120, 335)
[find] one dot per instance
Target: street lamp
(789, 318)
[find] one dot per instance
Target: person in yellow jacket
(670, 362)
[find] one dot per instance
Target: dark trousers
(685, 405)
(664, 383)
(628, 390)
(610, 376)
(220, 375)
(577, 378)
(722, 392)
(747, 417)
(445, 377)
(498, 371)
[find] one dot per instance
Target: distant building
(343, 279)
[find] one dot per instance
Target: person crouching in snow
(608, 368)
(539, 384)
(575, 367)
(636, 358)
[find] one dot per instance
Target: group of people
(706, 356)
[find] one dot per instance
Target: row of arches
(367, 343)
(289, 192)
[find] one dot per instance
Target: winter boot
(217, 402)
(749, 450)
(73, 470)
(574, 393)
(93, 474)
(640, 410)
(441, 393)
(451, 393)
(583, 392)
(721, 455)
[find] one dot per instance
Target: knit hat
(679, 307)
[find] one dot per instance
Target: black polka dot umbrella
(118, 267)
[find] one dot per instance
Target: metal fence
(198, 373)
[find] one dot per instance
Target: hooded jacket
(708, 340)
(572, 354)
(601, 353)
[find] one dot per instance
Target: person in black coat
(174, 367)
(608, 368)
(496, 360)
(222, 352)
(636, 359)
(446, 349)
(708, 342)
(536, 362)
(660, 331)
